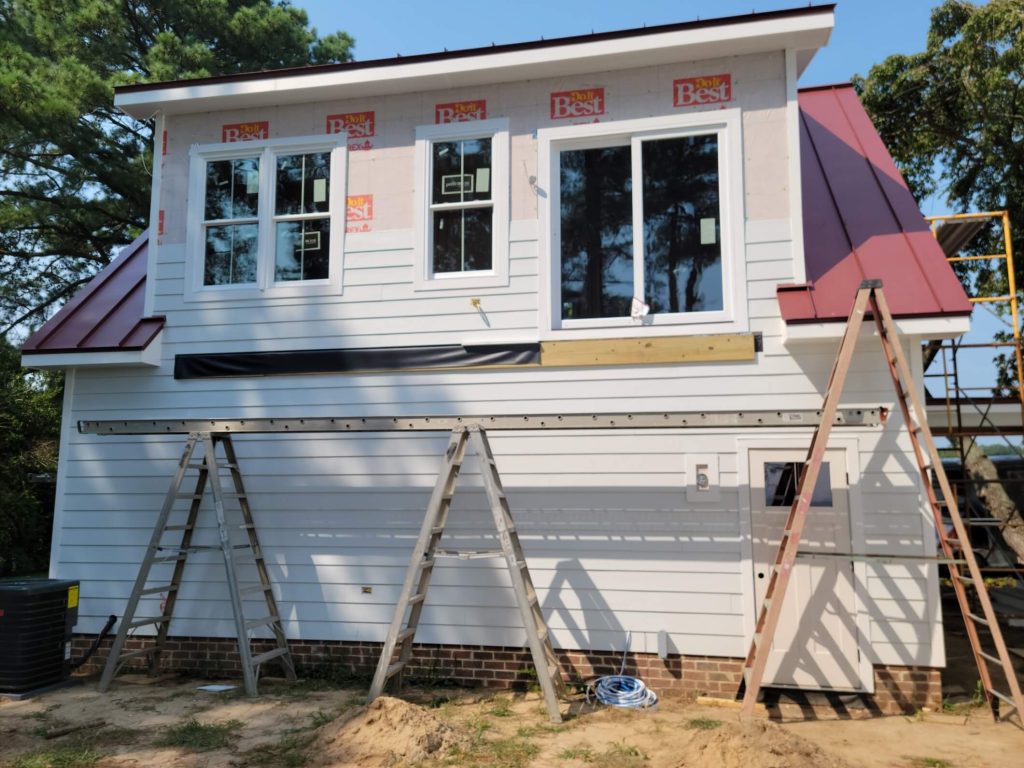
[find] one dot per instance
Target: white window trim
(497, 130)
(727, 123)
(265, 286)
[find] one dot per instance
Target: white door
(815, 645)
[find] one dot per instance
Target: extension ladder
(955, 542)
(426, 552)
(161, 552)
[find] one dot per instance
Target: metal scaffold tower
(963, 412)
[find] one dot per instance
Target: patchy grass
(929, 762)
(619, 755)
(703, 723)
(501, 708)
(508, 753)
(586, 754)
(531, 731)
(289, 752)
(320, 718)
(59, 757)
(199, 737)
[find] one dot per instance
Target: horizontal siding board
(342, 583)
(612, 543)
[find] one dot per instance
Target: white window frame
(732, 318)
(497, 130)
(267, 150)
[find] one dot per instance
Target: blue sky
(866, 30)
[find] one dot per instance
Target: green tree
(29, 434)
(953, 117)
(75, 172)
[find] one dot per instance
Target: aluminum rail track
(850, 417)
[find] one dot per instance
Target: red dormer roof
(106, 315)
(860, 221)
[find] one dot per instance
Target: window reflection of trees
(680, 189)
(596, 188)
(296, 175)
(230, 254)
(232, 189)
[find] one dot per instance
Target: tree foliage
(953, 114)
(75, 172)
(29, 433)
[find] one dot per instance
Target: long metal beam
(850, 417)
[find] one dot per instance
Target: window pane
(462, 240)
(232, 189)
(302, 183)
(461, 171)
(596, 189)
(780, 479)
(682, 238)
(230, 254)
(302, 250)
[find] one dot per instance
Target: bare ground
(168, 722)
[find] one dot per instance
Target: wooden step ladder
(426, 552)
(160, 551)
(993, 660)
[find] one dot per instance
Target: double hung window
(463, 215)
(261, 216)
(642, 223)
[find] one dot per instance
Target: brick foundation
(897, 689)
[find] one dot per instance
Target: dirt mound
(755, 744)
(389, 732)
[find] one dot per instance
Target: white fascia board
(805, 33)
(150, 356)
(921, 327)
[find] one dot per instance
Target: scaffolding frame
(971, 411)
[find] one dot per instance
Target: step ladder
(992, 659)
(161, 551)
(397, 650)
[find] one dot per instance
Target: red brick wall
(897, 689)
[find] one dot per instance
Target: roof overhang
(803, 30)
(147, 356)
(945, 327)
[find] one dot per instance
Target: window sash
(430, 205)
(267, 152)
(635, 140)
(435, 207)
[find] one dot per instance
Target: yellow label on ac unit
(73, 596)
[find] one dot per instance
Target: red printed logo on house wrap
(356, 125)
(698, 91)
(460, 111)
(358, 213)
(245, 131)
(582, 102)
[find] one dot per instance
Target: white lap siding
(612, 542)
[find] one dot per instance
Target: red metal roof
(106, 315)
(860, 221)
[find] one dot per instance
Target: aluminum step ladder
(992, 659)
(426, 552)
(161, 551)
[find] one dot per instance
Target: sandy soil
(139, 723)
